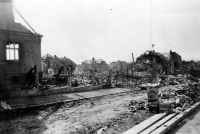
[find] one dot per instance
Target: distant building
(167, 62)
(154, 59)
(52, 65)
(191, 67)
(118, 65)
(176, 63)
(20, 49)
(99, 65)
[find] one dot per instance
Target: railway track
(161, 123)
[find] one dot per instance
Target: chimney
(132, 57)
(6, 14)
(93, 60)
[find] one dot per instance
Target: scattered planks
(174, 121)
(161, 123)
(158, 124)
(145, 124)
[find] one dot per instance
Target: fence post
(93, 76)
(36, 77)
(69, 77)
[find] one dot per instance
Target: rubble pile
(171, 93)
(178, 94)
(134, 106)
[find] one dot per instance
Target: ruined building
(20, 49)
(151, 59)
(176, 62)
(52, 65)
(99, 65)
(118, 65)
(168, 62)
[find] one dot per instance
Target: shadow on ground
(26, 121)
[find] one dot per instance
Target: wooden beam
(158, 124)
(145, 124)
(174, 121)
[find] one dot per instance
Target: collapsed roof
(156, 54)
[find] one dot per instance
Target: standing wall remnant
(20, 49)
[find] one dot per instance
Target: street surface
(86, 116)
(43, 100)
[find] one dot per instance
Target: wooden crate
(153, 104)
(152, 96)
(165, 107)
(152, 91)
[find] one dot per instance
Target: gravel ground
(86, 116)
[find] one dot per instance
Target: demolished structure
(98, 64)
(176, 63)
(191, 67)
(51, 65)
(152, 58)
(164, 63)
(20, 49)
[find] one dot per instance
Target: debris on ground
(170, 93)
(179, 93)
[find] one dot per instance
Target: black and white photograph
(99, 66)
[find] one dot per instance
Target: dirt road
(86, 116)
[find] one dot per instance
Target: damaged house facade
(53, 65)
(151, 59)
(99, 65)
(20, 50)
(167, 62)
(176, 63)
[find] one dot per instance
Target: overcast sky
(113, 29)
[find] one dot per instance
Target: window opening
(12, 51)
